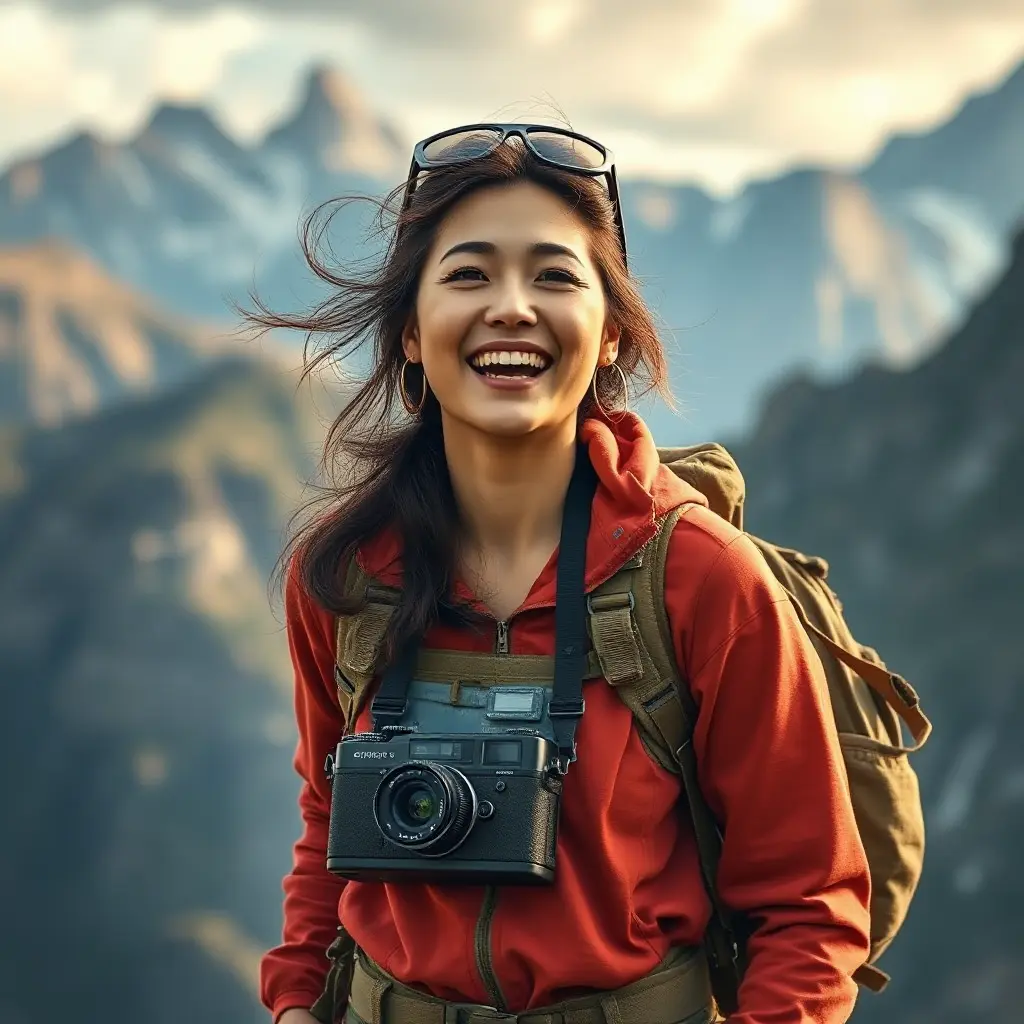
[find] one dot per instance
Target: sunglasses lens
(463, 146)
(566, 150)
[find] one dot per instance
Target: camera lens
(425, 808)
(416, 806)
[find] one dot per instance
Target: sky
(711, 91)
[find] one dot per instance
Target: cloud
(189, 57)
(716, 90)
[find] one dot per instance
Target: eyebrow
(489, 249)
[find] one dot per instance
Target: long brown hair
(402, 477)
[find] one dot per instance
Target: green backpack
(632, 650)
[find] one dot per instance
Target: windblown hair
(401, 477)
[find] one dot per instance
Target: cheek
(442, 327)
(583, 329)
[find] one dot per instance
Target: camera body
(480, 806)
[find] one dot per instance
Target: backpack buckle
(389, 707)
(476, 1013)
(567, 707)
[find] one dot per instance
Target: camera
(477, 809)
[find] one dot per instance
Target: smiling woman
(509, 247)
(491, 784)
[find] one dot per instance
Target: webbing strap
(330, 1005)
(390, 700)
(627, 636)
(362, 640)
(677, 990)
(892, 688)
(437, 666)
(566, 705)
(611, 628)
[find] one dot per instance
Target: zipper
(484, 953)
(501, 646)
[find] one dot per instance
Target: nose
(510, 305)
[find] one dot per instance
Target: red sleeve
(293, 974)
(772, 772)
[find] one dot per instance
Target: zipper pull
(502, 646)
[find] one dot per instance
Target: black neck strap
(567, 704)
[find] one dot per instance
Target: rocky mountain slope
(148, 801)
(72, 339)
(909, 484)
(814, 268)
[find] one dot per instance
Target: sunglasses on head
(556, 147)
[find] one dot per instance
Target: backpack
(632, 650)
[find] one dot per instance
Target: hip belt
(677, 991)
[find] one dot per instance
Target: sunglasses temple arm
(410, 183)
(613, 195)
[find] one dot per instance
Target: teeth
(511, 359)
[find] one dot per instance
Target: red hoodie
(627, 882)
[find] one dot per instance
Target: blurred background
(822, 201)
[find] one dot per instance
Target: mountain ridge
(73, 338)
(815, 268)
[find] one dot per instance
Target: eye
(463, 274)
(561, 276)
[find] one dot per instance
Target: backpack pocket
(887, 806)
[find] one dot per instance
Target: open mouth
(509, 365)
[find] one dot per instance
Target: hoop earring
(625, 394)
(412, 408)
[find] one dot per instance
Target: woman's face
(511, 319)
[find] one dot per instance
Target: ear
(610, 343)
(411, 342)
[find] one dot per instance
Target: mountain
(149, 805)
(819, 269)
(183, 212)
(816, 269)
(977, 154)
(72, 339)
(806, 271)
(335, 125)
(908, 484)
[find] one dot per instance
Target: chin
(508, 426)
(502, 423)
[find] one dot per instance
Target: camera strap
(567, 704)
(571, 642)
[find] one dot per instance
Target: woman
(508, 326)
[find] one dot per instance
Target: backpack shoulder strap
(632, 641)
(632, 638)
(358, 639)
